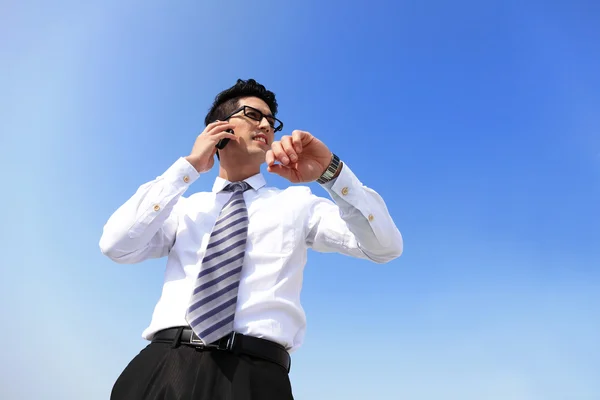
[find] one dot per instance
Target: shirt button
(186, 179)
(371, 217)
(345, 191)
(156, 207)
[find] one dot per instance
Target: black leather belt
(234, 342)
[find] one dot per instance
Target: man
(229, 315)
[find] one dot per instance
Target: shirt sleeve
(356, 223)
(145, 226)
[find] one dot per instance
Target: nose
(264, 125)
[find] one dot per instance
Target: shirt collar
(256, 182)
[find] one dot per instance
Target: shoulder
(194, 199)
(294, 197)
(198, 196)
(299, 192)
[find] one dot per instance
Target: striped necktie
(212, 306)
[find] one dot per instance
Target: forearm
(365, 214)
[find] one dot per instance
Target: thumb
(282, 171)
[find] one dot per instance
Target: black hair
(228, 100)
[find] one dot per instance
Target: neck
(236, 173)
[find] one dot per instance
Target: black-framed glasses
(257, 115)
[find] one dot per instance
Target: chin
(260, 156)
(257, 150)
(255, 155)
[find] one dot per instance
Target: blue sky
(476, 121)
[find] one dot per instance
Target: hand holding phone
(203, 152)
(223, 142)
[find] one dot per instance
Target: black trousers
(161, 371)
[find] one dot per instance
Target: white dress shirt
(159, 221)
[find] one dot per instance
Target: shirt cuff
(181, 174)
(341, 185)
(347, 190)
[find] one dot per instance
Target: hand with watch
(301, 157)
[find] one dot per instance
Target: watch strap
(331, 170)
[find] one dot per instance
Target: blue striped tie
(213, 302)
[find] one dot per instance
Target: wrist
(194, 163)
(332, 171)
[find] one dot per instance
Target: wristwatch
(331, 170)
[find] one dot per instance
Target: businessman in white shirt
(230, 315)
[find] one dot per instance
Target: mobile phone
(223, 142)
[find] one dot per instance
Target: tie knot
(237, 187)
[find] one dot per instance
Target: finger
(219, 128)
(297, 140)
(225, 135)
(270, 158)
(279, 153)
(288, 147)
(216, 123)
(303, 136)
(282, 171)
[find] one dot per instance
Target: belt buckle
(229, 344)
(196, 341)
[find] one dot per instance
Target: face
(256, 137)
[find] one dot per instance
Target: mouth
(261, 138)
